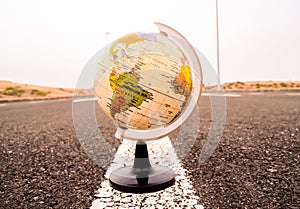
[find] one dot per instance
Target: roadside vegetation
(11, 91)
(18, 91)
(36, 92)
(15, 91)
(262, 85)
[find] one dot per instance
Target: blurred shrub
(38, 93)
(283, 84)
(11, 91)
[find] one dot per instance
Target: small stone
(192, 202)
(195, 197)
(180, 177)
(103, 195)
(188, 191)
(106, 200)
(151, 200)
(272, 170)
(170, 189)
(186, 186)
(99, 205)
(126, 200)
(126, 195)
(109, 204)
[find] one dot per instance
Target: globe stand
(142, 177)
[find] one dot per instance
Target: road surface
(256, 164)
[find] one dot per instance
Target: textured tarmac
(256, 164)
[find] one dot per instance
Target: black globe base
(126, 179)
(142, 177)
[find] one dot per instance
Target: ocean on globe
(143, 81)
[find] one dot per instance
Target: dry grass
(10, 90)
(259, 85)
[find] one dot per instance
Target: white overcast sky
(48, 42)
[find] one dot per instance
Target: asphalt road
(256, 164)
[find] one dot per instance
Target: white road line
(180, 195)
(85, 99)
(232, 95)
(256, 93)
(60, 100)
(36, 102)
(2, 105)
(220, 94)
(292, 94)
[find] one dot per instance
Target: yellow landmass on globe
(182, 82)
(185, 70)
(128, 39)
(126, 92)
(113, 79)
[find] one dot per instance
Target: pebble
(272, 170)
(116, 198)
(126, 200)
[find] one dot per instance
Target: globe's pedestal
(142, 177)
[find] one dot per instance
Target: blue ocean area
(149, 36)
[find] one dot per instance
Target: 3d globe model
(143, 81)
(148, 84)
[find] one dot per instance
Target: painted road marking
(36, 102)
(180, 195)
(2, 105)
(293, 94)
(85, 99)
(256, 93)
(220, 94)
(60, 100)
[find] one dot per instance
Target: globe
(143, 81)
(148, 84)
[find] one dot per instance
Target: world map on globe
(143, 81)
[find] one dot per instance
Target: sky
(49, 42)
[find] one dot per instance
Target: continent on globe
(126, 92)
(127, 40)
(182, 82)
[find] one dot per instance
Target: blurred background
(48, 42)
